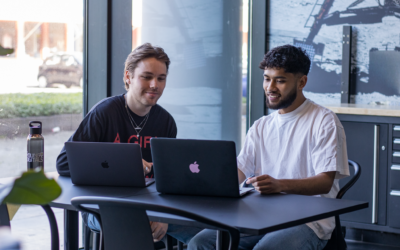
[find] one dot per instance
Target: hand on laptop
(159, 230)
(147, 167)
(265, 184)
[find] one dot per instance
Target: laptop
(196, 167)
(106, 164)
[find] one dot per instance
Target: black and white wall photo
(316, 25)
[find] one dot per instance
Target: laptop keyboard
(245, 190)
(149, 181)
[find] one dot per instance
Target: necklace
(137, 128)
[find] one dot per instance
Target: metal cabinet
(367, 144)
(394, 178)
(374, 142)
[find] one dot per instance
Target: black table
(252, 214)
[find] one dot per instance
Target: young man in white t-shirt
(300, 149)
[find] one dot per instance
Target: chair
(337, 239)
(55, 243)
(168, 242)
(132, 224)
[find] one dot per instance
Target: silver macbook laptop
(106, 164)
(196, 167)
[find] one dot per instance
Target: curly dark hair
(292, 59)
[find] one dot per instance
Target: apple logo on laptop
(194, 167)
(104, 164)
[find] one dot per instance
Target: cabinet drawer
(395, 177)
(396, 156)
(396, 144)
(396, 130)
(394, 209)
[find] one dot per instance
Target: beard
(284, 102)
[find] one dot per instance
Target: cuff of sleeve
(246, 171)
(339, 173)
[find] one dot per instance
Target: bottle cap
(35, 129)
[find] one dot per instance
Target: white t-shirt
(303, 143)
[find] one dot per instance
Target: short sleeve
(330, 151)
(173, 130)
(90, 129)
(247, 157)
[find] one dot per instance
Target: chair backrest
(125, 222)
(353, 179)
(337, 239)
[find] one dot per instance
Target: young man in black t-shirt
(133, 117)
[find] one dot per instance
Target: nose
(270, 86)
(154, 83)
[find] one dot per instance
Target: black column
(107, 43)
(257, 48)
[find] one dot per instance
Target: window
(203, 39)
(40, 81)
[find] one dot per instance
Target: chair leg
(180, 245)
(4, 218)
(101, 241)
(168, 243)
(96, 241)
(344, 232)
(87, 237)
(55, 242)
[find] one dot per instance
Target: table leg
(222, 240)
(71, 230)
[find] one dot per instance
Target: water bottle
(35, 145)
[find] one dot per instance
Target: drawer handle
(396, 154)
(375, 176)
(395, 193)
(396, 141)
(395, 167)
(396, 128)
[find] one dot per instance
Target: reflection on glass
(41, 80)
(203, 39)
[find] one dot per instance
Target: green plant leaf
(33, 187)
(4, 51)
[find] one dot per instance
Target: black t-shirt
(108, 121)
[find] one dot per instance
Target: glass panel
(203, 39)
(40, 81)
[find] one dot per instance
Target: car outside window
(53, 60)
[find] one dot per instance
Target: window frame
(107, 41)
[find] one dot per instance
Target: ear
(302, 82)
(127, 77)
